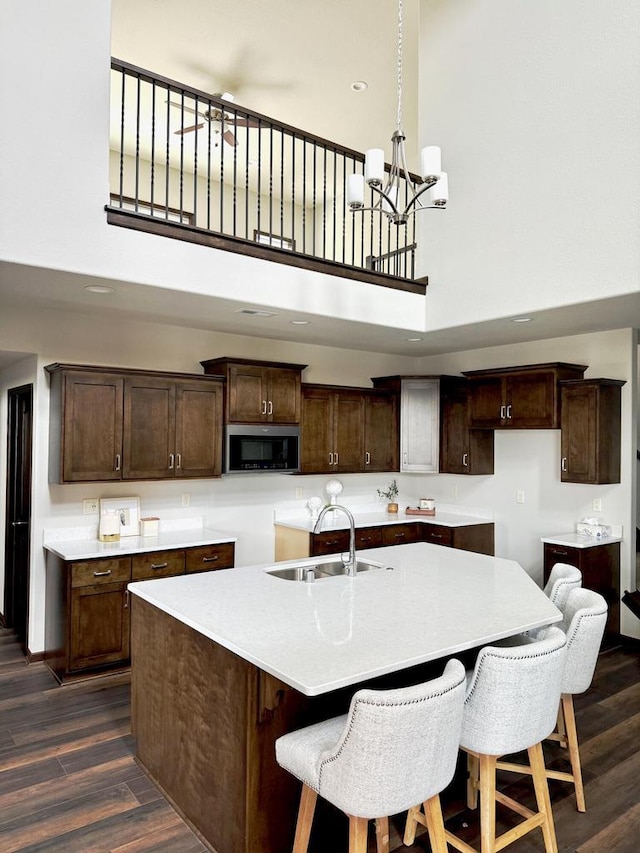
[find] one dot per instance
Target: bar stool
(562, 579)
(394, 748)
(511, 705)
(584, 622)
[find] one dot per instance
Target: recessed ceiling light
(359, 86)
(521, 319)
(413, 340)
(299, 322)
(100, 288)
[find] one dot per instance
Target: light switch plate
(520, 496)
(597, 504)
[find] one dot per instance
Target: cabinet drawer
(399, 534)
(89, 572)
(210, 557)
(369, 537)
(157, 564)
(330, 543)
(437, 535)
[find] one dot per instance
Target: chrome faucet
(350, 565)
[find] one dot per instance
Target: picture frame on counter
(127, 510)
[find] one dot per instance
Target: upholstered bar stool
(584, 621)
(394, 748)
(562, 579)
(511, 705)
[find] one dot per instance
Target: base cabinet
(87, 604)
(292, 544)
(600, 567)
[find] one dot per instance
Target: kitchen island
(224, 663)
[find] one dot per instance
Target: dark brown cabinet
(112, 424)
(524, 397)
(332, 430)
(259, 391)
(600, 567)
(590, 443)
(348, 430)
(462, 450)
(87, 604)
(171, 429)
(400, 534)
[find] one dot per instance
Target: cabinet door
(590, 444)
(198, 419)
(157, 564)
(92, 427)
(462, 450)
(369, 537)
(400, 534)
(436, 534)
(486, 404)
(420, 425)
(530, 401)
(335, 542)
(149, 429)
(348, 432)
(283, 403)
(380, 433)
(99, 626)
(247, 394)
(317, 432)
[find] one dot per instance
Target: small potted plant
(390, 493)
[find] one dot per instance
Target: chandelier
(400, 195)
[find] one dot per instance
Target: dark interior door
(18, 523)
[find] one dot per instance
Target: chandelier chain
(399, 116)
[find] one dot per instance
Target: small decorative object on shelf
(315, 505)
(416, 510)
(390, 493)
(333, 489)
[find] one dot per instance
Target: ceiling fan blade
(188, 129)
(185, 108)
(229, 138)
(248, 122)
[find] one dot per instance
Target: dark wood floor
(69, 782)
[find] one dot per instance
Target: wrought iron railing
(223, 175)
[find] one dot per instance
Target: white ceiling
(294, 61)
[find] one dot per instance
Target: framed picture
(267, 239)
(128, 510)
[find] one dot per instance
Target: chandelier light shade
(400, 196)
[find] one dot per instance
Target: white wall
(535, 105)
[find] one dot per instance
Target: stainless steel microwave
(261, 447)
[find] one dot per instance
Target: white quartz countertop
(87, 549)
(340, 631)
(338, 521)
(579, 540)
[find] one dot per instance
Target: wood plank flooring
(69, 781)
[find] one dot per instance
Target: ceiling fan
(215, 114)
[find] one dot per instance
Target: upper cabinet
(419, 420)
(112, 424)
(525, 397)
(259, 391)
(590, 443)
(462, 450)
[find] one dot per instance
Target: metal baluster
(281, 183)
(293, 187)
(324, 203)
(166, 157)
(196, 142)
(333, 205)
(315, 197)
(122, 96)
(259, 177)
(235, 166)
(271, 180)
(152, 175)
(136, 194)
(304, 195)
(246, 180)
(208, 217)
(181, 172)
(222, 153)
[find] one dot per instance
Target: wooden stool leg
(435, 825)
(488, 802)
(574, 752)
(306, 811)
(536, 760)
(358, 827)
(410, 826)
(562, 732)
(382, 835)
(473, 771)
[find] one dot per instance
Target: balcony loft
(196, 167)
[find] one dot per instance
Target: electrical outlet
(186, 499)
(89, 506)
(597, 504)
(298, 493)
(520, 496)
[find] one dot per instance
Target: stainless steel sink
(308, 572)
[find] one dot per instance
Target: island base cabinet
(205, 724)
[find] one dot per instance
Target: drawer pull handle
(178, 460)
(171, 458)
(159, 565)
(365, 538)
(509, 411)
(102, 574)
(563, 464)
(264, 408)
(210, 559)
(465, 460)
(367, 458)
(270, 411)
(117, 466)
(399, 535)
(559, 553)
(337, 457)
(502, 412)
(330, 458)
